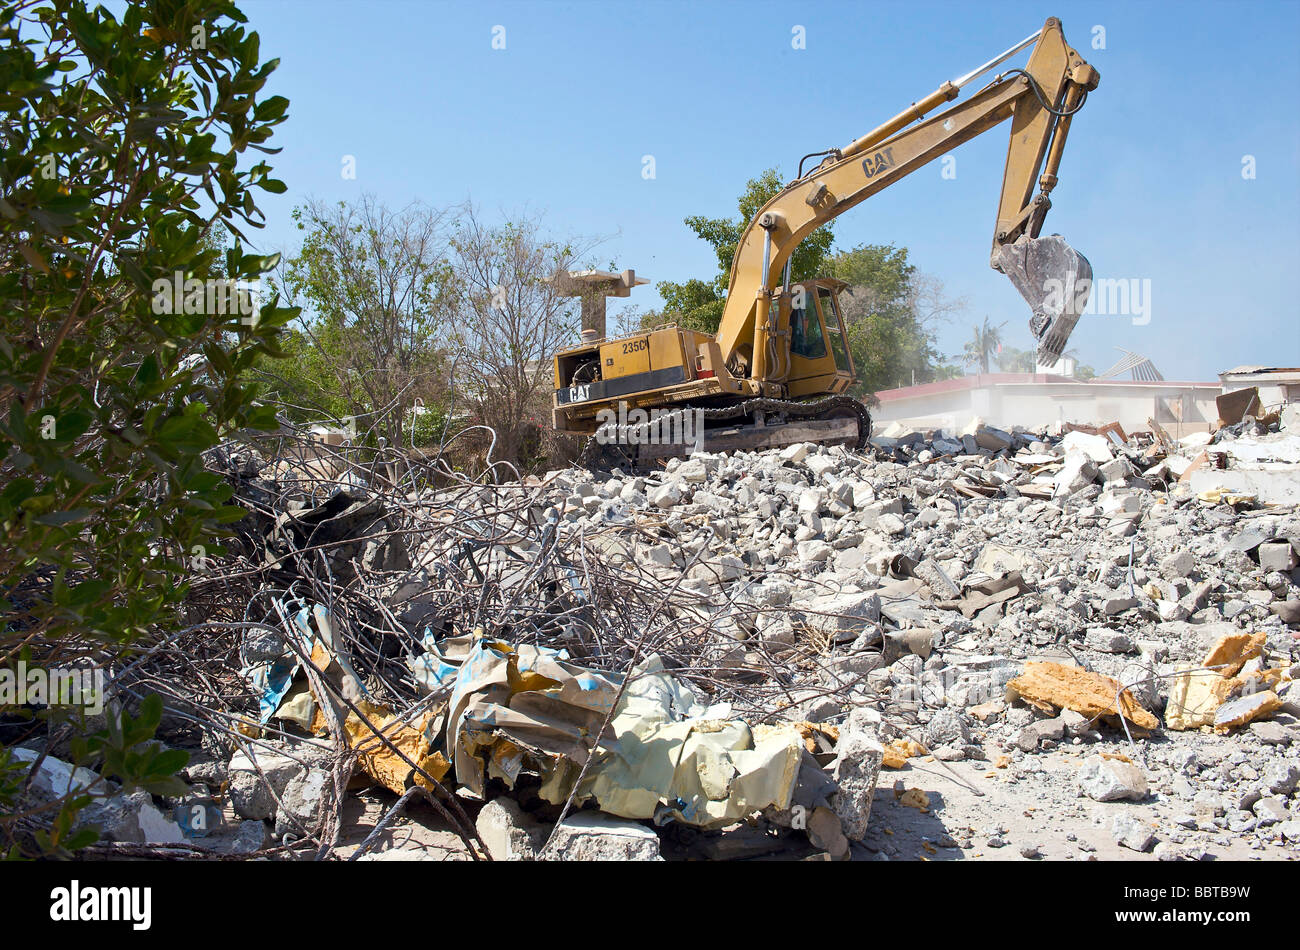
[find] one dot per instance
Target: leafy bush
(123, 141)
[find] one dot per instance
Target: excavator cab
(820, 361)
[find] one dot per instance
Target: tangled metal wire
(399, 548)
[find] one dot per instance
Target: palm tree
(983, 345)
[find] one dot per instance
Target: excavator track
(828, 407)
(605, 456)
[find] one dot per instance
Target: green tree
(983, 344)
(890, 311)
(695, 304)
(947, 371)
(124, 140)
(698, 303)
(305, 385)
(1013, 360)
(215, 241)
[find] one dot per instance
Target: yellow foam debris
(1195, 694)
(810, 730)
(384, 765)
(915, 798)
(1230, 653)
(1053, 686)
(899, 751)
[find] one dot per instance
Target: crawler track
(606, 456)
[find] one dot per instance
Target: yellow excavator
(778, 369)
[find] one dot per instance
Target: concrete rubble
(1084, 631)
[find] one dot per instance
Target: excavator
(779, 367)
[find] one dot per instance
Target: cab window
(806, 338)
(835, 329)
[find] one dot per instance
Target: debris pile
(718, 658)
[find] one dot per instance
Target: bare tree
(375, 282)
(509, 321)
(930, 304)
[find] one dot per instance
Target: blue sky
(1152, 187)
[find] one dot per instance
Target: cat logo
(578, 393)
(873, 165)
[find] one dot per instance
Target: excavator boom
(1040, 99)
(778, 369)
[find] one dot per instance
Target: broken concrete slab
(1096, 447)
(132, 819)
(595, 836)
(1271, 484)
(250, 795)
(1078, 472)
(1277, 556)
(1132, 833)
(997, 560)
(1245, 709)
(841, 615)
(507, 832)
(856, 768)
(302, 801)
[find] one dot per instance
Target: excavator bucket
(1055, 281)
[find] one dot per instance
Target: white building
(1277, 386)
(1035, 400)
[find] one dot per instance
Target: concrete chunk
(1112, 780)
(1075, 475)
(1095, 447)
(508, 833)
(595, 836)
(1132, 833)
(855, 770)
(248, 793)
(1277, 556)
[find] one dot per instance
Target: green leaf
(131, 120)
(57, 518)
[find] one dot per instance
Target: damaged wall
(1039, 399)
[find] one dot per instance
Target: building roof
(983, 380)
(1259, 370)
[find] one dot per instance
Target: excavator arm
(1040, 99)
(778, 369)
